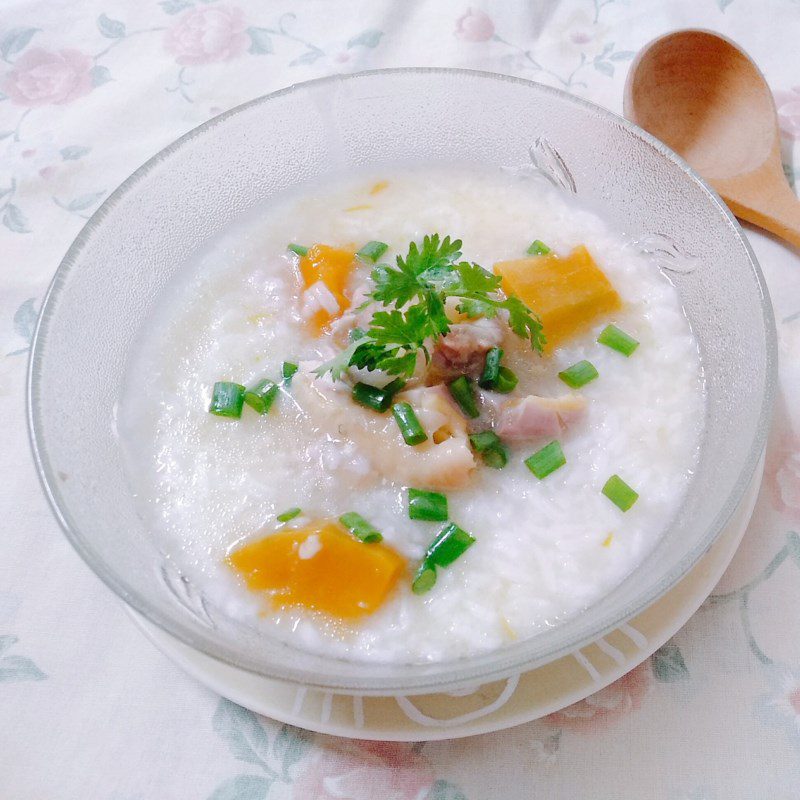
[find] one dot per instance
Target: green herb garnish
(289, 514)
(619, 493)
(463, 393)
(288, 371)
(372, 251)
(378, 399)
(579, 374)
(261, 396)
(538, 248)
(429, 506)
(415, 292)
(615, 338)
(410, 427)
(227, 399)
(451, 543)
(298, 249)
(490, 448)
(546, 461)
(360, 528)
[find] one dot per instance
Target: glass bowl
(113, 273)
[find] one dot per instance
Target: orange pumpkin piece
(568, 294)
(332, 267)
(320, 567)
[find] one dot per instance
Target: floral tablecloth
(89, 90)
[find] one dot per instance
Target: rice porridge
(378, 442)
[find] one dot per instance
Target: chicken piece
(444, 461)
(463, 350)
(535, 417)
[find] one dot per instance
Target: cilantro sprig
(417, 288)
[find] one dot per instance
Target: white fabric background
(88, 708)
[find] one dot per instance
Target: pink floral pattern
(208, 34)
(606, 707)
(782, 477)
(788, 106)
(344, 770)
(40, 77)
(474, 26)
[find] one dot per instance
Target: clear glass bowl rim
(458, 672)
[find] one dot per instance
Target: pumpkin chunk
(568, 294)
(325, 271)
(320, 567)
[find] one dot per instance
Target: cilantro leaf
(410, 278)
(524, 322)
(474, 278)
(418, 287)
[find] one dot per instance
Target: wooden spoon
(704, 97)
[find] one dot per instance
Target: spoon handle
(776, 210)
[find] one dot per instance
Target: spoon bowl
(703, 96)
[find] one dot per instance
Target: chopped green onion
(547, 460)
(372, 251)
(579, 374)
(413, 432)
(464, 395)
(290, 513)
(430, 506)
(356, 334)
(618, 340)
(451, 543)
(227, 399)
(491, 368)
(538, 248)
(491, 449)
(375, 398)
(288, 371)
(424, 580)
(298, 249)
(619, 493)
(261, 396)
(506, 381)
(360, 528)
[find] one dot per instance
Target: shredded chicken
(535, 417)
(444, 461)
(463, 350)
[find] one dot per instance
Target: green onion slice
(538, 248)
(298, 249)
(424, 580)
(360, 528)
(491, 368)
(290, 513)
(413, 433)
(451, 543)
(547, 460)
(463, 393)
(288, 370)
(491, 449)
(375, 398)
(579, 374)
(261, 396)
(429, 506)
(356, 334)
(506, 381)
(372, 251)
(619, 493)
(227, 399)
(618, 340)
